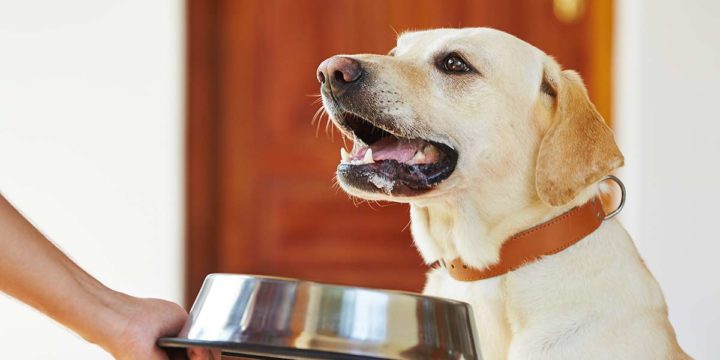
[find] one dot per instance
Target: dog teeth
(418, 158)
(368, 158)
(344, 155)
(426, 155)
(431, 151)
(347, 158)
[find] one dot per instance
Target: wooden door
(260, 193)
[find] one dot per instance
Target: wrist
(96, 313)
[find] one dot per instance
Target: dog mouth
(383, 161)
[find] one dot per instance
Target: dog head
(454, 109)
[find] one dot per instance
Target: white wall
(667, 81)
(91, 148)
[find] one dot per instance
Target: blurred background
(158, 141)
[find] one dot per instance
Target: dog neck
(473, 228)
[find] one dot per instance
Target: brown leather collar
(548, 238)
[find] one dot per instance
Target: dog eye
(454, 64)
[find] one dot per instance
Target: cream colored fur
(595, 300)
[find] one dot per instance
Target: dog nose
(338, 72)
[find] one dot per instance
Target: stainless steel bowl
(267, 317)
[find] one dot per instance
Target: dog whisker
(317, 115)
(395, 31)
(329, 130)
(406, 226)
(317, 119)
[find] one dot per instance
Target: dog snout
(339, 73)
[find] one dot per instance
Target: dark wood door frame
(201, 144)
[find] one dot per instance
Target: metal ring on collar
(623, 194)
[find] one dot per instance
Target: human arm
(36, 272)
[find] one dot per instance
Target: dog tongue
(401, 150)
(415, 151)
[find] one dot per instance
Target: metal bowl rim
(341, 287)
(245, 348)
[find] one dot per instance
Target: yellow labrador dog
(485, 136)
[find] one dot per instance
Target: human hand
(137, 325)
(146, 321)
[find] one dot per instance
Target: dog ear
(578, 149)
